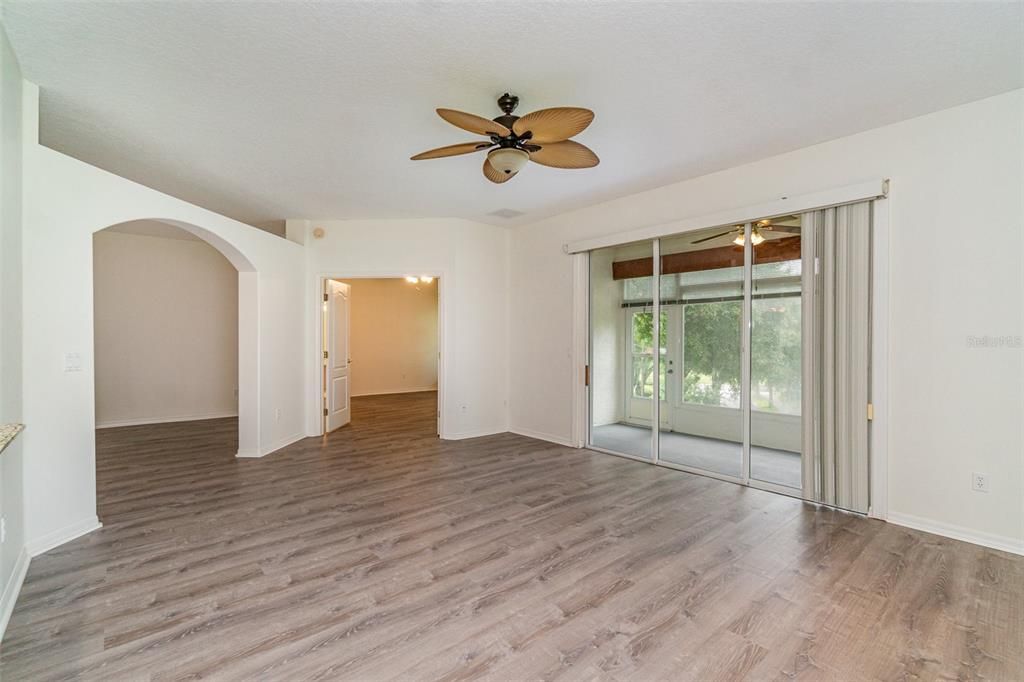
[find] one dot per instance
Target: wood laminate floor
(382, 552)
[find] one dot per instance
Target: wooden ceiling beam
(769, 251)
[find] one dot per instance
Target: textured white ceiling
(264, 111)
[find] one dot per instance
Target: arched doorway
(65, 203)
(217, 287)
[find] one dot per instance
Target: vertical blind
(836, 272)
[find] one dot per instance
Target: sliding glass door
(776, 374)
(623, 356)
(726, 340)
(702, 299)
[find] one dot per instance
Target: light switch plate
(72, 362)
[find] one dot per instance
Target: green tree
(775, 371)
(711, 351)
(643, 353)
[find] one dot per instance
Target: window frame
(674, 327)
(630, 312)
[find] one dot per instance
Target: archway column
(248, 365)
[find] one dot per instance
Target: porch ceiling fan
(541, 137)
(760, 232)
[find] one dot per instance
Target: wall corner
(296, 231)
(29, 114)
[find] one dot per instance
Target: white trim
(625, 375)
(864, 191)
(746, 338)
(474, 434)
(427, 389)
(550, 438)
(140, 421)
(1000, 542)
(580, 348)
(624, 455)
(60, 536)
(12, 589)
(697, 471)
(655, 350)
(788, 491)
(314, 387)
(880, 322)
(506, 403)
(274, 447)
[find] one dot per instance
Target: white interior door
(339, 411)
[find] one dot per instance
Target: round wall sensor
(318, 233)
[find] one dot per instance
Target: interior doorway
(380, 339)
(166, 327)
(170, 354)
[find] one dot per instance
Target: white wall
(13, 558)
(472, 261)
(166, 329)
(608, 351)
(393, 336)
(65, 202)
(956, 272)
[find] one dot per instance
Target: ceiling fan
(541, 137)
(760, 231)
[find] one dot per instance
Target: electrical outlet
(277, 414)
(3, 530)
(979, 482)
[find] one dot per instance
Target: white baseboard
(59, 537)
(140, 421)
(428, 389)
(540, 435)
(472, 434)
(12, 588)
(1001, 542)
(283, 443)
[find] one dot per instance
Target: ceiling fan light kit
(755, 237)
(541, 137)
(760, 232)
(508, 159)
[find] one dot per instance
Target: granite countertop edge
(9, 432)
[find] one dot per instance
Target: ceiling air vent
(506, 213)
